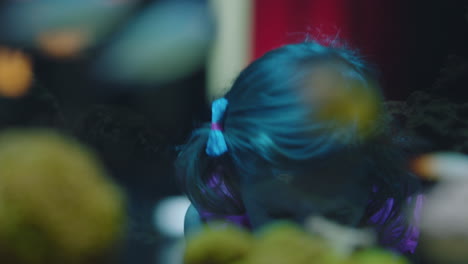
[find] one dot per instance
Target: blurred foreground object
(344, 239)
(15, 73)
(62, 44)
(231, 49)
(56, 203)
(168, 41)
(444, 223)
(278, 243)
(445, 166)
(61, 28)
(169, 215)
(218, 244)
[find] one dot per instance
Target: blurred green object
(217, 243)
(277, 243)
(285, 242)
(56, 203)
(374, 256)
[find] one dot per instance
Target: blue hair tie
(216, 144)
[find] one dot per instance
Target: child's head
(297, 127)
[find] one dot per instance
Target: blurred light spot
(169, 215)
(343, 99)
(15, 73)
(41, 23)
(63, 44)
(166, 42)
(442, 165)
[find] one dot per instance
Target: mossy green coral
(285, 242)
(56, 203)
(279, 243)
(218, 243)
(373, 256)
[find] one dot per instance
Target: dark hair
(269, 129)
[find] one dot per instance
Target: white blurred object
(169, 40)
(445, 166)
(63, 25)
(169, 215)
(444, 224)
(344, 239)
(446, 210)
(444, 221)
(231, 51)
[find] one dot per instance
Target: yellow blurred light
(340, 98)
(63, 43)
(15, 73)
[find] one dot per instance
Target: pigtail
(209, 182)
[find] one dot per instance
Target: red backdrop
(375, 27)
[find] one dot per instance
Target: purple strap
(216, 126)
(407, 232)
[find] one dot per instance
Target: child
(301, 132)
